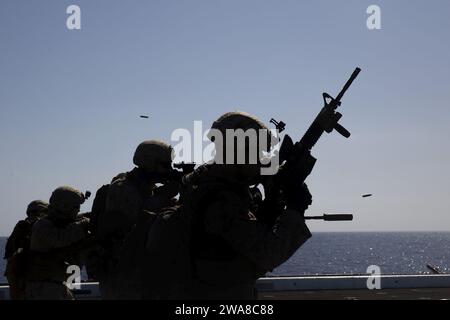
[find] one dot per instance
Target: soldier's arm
(45, 236)
(266, 247)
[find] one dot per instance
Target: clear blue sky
(70, 100)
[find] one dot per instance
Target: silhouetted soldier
(128, 198)
(231, 248)
(47, 271)
(17, 249)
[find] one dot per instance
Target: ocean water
(352, 253)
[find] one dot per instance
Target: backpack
(98, 207)
(154, 259)
(99, 203)
(17, 250)
(96, 260)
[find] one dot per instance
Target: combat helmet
(236, 120)
(37, 208)
(152, 154)
(65, 202)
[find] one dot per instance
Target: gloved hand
(164, 196)
(298, 197)
(84, 223)
(256, 199)
(168, 190)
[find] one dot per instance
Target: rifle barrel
(348, 84)
(332, 217)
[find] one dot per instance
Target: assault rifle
(295, 158)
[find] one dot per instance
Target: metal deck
(326, 287)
